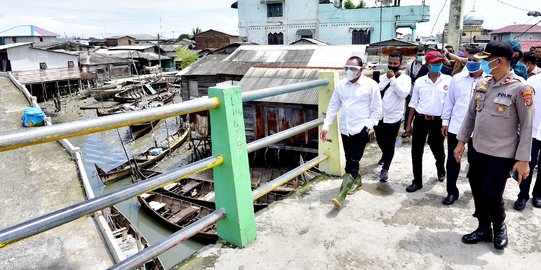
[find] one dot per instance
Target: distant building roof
(95, 59)
(143, 37)
(4, 47)
(127, 54)
(55, 44)
(526, 45)
(172, 47)
(310, 41)
(213, 64)
(27, 31)
(214, 31)
(518, 28)
(392, 42)
(118, 37)
(132, 47)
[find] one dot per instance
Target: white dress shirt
(360, 105)
(535, 82)
(393, 99)
(428, 97)
(457, 100)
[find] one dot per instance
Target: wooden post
(335, 164)
(232, 179)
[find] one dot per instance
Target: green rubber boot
(357, 185)
(347, 183)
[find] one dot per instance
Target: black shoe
(413, 187)
(477, 236)
(380, 162)
(500, 237)
(404, 135)
(441, 177)
(520, 203)
(536, 201)
(450, 199)
(384, 176)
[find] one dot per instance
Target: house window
(40, 39)
(71, 64)
(276, 38)
(275, 10)
(14, 39)
(42, 65)
(360, 37)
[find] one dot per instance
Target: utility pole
(456, 14)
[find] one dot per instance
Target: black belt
(429, 117)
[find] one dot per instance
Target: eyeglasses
(351, 68)
(420, 54)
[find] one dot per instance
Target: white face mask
(351, 75)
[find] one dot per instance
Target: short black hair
(359, 60)
(449, 46)
(419, 49)
(474, 50)
(396, 54)
(529, 57)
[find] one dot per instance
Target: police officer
(524, 195)
(427, 106)
(359, 100)
(501, 105)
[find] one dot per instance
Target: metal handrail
(170, 242)
(70, 213)
(39, 135)
(282, 89)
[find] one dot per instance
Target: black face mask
(394, 69)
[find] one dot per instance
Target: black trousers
(354, 149)
(453, 167)
(386, 138)
(423, 129)
(488, 176)
(407, 112)
(525, 184)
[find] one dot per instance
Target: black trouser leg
(419, 135)
(478, 166)
(354, 149)
(525, 184)
(386, 137)
(537, 188)
(453, 167)
(407, 112)
(435, 141)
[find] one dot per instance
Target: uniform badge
(506, 80)
(478, 105)
(483, 86)
(527, 96)
(478, 96)
(445, 87)
(501, 109)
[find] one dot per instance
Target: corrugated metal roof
(144, 37)
(127, 54)
(172, 47)
(132, 47)
(214, 64)
(95, 59)
(518, 28)
(27, 31)
(3, 47)
(259, 78)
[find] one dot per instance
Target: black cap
(496, 48)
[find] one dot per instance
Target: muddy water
(105, 150)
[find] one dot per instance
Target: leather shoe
(404, 135)
(450, 199)
(500, 236)
(520, 204)
(384, 176)
(380, 162)
(441, 177)
(536, 202)
(478, 235)
(413, 187)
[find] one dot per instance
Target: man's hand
(390, 74)
(444, 130)
(523, 170)
(459, 150)
(409, 130)
(323, 135)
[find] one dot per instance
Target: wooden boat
(142, 91)
(146, 159)
(129, 239)
(138, 130)
(177, 214)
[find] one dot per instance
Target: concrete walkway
(36, 180)
(380, 227)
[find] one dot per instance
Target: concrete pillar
(413, 34)
(336, 163)
(456, 14)
(232, 179)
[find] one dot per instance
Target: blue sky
(104, 18)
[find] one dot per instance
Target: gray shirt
(500, 115)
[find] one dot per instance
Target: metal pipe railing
(173, 240)
(282, 89)
(39, 135)
(70, 213)
(282, 135)
(272, 185)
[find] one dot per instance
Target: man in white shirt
(524, 195)
(394, 87)
(427, 106)
(359, 100)
(414, 69)
(454, 110)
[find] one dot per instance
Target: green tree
(362, 4)
(187, 56)
(196, 31)
(349, 4)
(184, 36)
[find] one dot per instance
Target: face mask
(473, 66)
(485, 66)
(435, 68)
(394, 69)
(351, 74)
(420, 58)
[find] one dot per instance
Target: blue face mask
(485, 66)
(473, 66)
(420, 58)
(435, 68)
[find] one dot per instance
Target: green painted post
(335, 164)
(232, 179)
